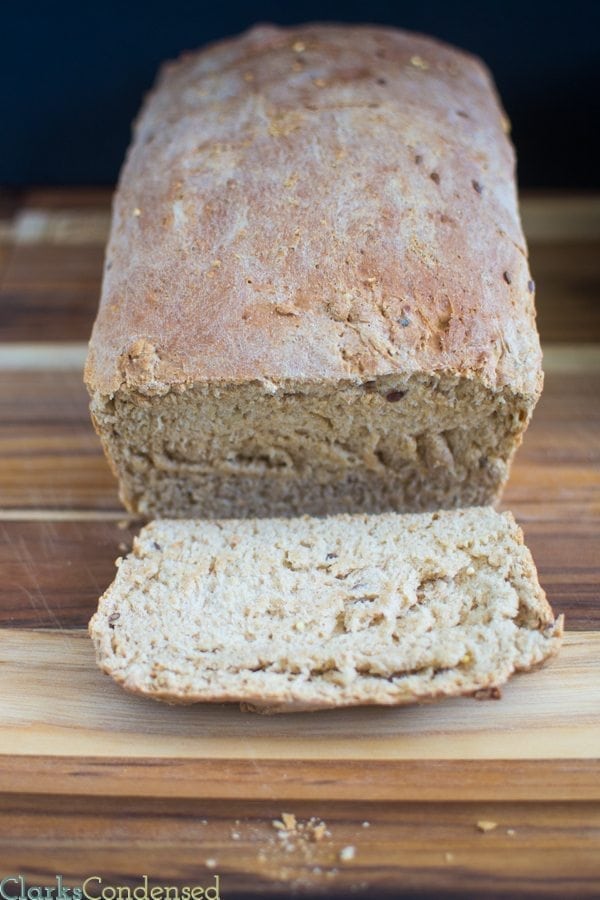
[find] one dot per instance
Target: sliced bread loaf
(316, 296)
(307, 613)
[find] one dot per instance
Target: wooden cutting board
(94, 780)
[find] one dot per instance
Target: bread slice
(316, 296)
(306, 613)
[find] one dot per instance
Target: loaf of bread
(316, 295)
(308, 613)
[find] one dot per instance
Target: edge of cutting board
(542, 740)
(292, 779)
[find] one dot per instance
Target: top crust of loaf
(322, 202)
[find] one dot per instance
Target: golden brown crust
(317, 203)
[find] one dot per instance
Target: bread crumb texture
(305, 613)
(256, 449)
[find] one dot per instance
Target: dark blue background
(72, 75)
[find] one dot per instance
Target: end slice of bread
(308, 613)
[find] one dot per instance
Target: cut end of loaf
(283, 615)
(402, 443)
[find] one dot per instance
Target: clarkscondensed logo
(15, 887)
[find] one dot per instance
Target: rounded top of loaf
(320, 202)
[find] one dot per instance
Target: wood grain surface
(94, 781)
(408, 849)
